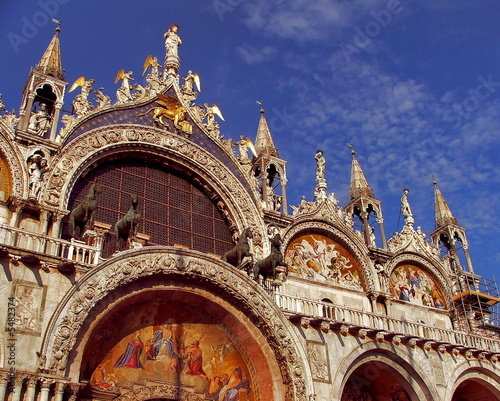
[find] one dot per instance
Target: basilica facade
(146, 257)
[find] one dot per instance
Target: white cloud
(255, 55)
(304, 20)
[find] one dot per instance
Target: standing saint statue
(320, 190)
(320, 165)
(40, 121)
(405, 208)
(172, 40)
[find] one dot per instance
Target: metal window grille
(174, 210)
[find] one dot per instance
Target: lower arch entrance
(375, 380)
(161, 341)
(482, 391)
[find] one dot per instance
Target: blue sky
(414, 85)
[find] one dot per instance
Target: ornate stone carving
(182, 150)
(14, 167)
(109, 276)
(412, 241)
(159, 392)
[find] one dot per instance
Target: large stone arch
(68, 324)
(314, 225)
(480, 373)
(414, 368)
(86, 150)
(425, 264)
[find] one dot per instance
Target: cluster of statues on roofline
(167, 112)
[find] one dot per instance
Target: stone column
(25, 113)
(18, 387)
(380, 222)
(366, 227)
(265, 192)
(3, 386)
(55, 120)
(30, 389)
(59, 391)
(45, 389)
(284, 201)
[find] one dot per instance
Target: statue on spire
(172, 43)
(40, 121)
(320, 191)
(406, 209)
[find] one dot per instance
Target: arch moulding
(473, 370)
(328, 228)
(86, 150)
(418, 375)
(63, 330)
(425, 265)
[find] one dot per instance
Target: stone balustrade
(73, 250)
(310, 310)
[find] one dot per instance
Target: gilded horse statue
(83, 214)
(126, 227)
(242, 249)
(269, 264)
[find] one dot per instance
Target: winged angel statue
(171, 109)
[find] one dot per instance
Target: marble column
(45, 389)
(59, 391)
(3, 387)
(30, 389)
(18, 387)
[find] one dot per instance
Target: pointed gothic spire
(363, 204)
(50, 63)
(359, 185)
(264, 142)
(443, 215)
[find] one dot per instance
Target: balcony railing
(80, 252)
(374, 321)
(73, 250)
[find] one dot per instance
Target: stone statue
(153, 78)
(126, 228)
(83, 214)
(210, 113)
(123, 93)
(269, 264)
(40, 121)
(405, 208)
(37, 168)
(244, 144)
(320, 166)
(2, 105)
(242, 249)
(81, 103)
(101, 99)
(172, 40)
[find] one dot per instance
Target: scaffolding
(477, 301)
